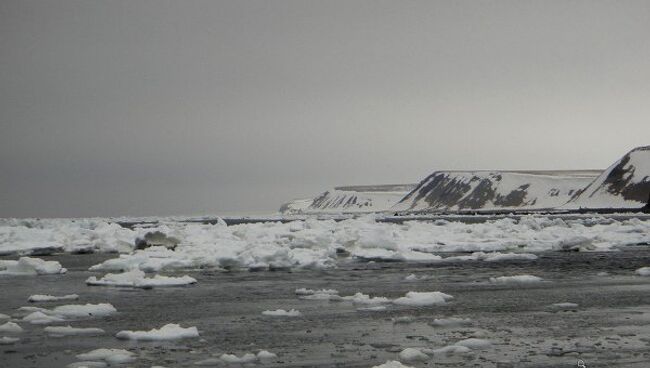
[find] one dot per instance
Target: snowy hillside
(495, 190)
(625, 184)
(296, 206)
(360, 198)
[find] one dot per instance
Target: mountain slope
(495, 190)
(625, 184)
(360, 198)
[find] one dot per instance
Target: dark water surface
(610, 328)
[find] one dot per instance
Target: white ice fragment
(643, 271)
(474, 343)
(414, 277)
(304, 291)
(40, 318)
(87, 364)
(412, 355)
(4, 316)
(73, 331)
(5, 340)
(167, 332)
(499, 257)
(452, 350)
(374, 308)
(517, 279)
(266, 355)
(87, 310)
(392, 364)
(422, 299)
(360, 298)
(138, 279)
(282, 313)
(30, 266)
(10, 327)
(110, 356)
(234, 359)
(47, 298)
(564, 306)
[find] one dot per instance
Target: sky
(152, 107)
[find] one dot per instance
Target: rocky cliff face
(495, 190)
(625, 184)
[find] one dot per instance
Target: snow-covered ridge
(350, 199)
(625, 184)
(495, 190)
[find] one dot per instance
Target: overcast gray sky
(191, 107)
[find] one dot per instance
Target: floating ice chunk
(282, 313)
(30, 266)
(403, 320)
(452, 350)
(10, 327)
(451, 322)
(392, 364)
(474, 343)
(412, 355)
(360, 298)
(138, 279)
(87, 365)
(4, 316)
(88, 310)
(48, 298)
(564, 306)
(167, 332)
(422, 299)
(5, 340)
(373, 308)
(518, 279)
(209, 362)
(414, 277)
(234, 359)
(643, 271)
(72, 331)
(304, 291)
(266, 355)
(110, 356)
(40, 318)
(499, 257)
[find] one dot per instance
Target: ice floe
(314, 243)
(360, 298)
(67, 312)
(517, 279)
(5, 340)
(110, 356)
(73, 331)
(392, 364)
(423, 299)
(563, 306)
(138, 279)
(234, 359)
(167, 332)
(474, 343)
(413, 355)
(87, 365)
(643, 271)
(10, 327)
(49, 298)
(30, 266)
(282, 313)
